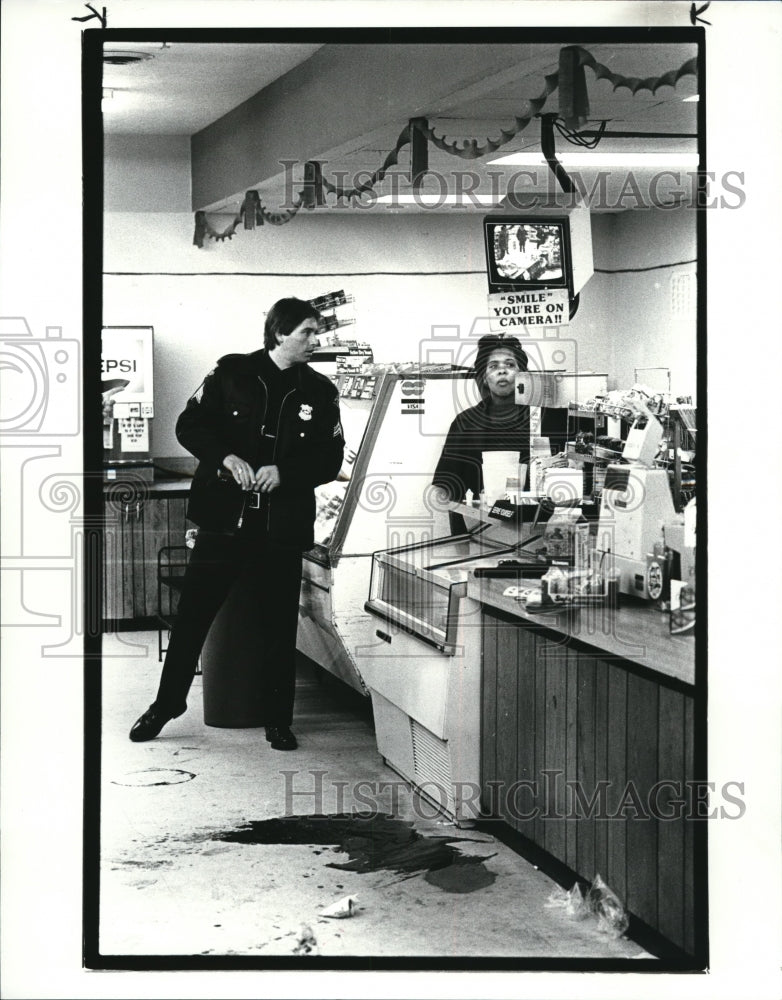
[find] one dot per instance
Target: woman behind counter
(494, 424)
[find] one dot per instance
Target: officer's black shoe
(148, 726)
(281, 738)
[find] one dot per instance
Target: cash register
(636, 503)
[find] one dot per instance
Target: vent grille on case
(431, 760)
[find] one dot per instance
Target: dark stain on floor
(373, 843)
(462, 875)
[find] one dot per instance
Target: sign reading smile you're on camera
(542, 307)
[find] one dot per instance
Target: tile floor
(174, 883)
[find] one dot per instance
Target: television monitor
(540, 248)
(527, 253)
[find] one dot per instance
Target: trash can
(232, 664)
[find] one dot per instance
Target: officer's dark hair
(283, 318)
(497, 342)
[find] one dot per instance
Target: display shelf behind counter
(393, 442)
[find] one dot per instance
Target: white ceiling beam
(346, 93)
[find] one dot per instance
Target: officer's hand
(241, 471)
(267, 478)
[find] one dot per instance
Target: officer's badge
(305, 412)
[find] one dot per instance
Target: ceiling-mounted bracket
(419, 151)
(549, 152)
(565, 181)
(312, 194)
(251, 210)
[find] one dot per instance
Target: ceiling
(186, 87)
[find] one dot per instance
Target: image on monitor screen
(529, 251)
(526, 253)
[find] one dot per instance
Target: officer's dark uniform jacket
(227, 416)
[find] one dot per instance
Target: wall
(409, 273)
(146, 173)
(652, 312)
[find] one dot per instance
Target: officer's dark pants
(270, 573)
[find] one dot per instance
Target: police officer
(266, 431)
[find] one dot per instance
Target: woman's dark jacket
(472, 432)
(226, 416)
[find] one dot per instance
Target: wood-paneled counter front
(140, 518)
(587, 748)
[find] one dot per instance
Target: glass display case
(381, 499)
(357, 397)
(418, 587)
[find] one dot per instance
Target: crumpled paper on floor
(345, 907)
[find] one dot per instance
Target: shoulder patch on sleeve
(338, 429)
(230, 360)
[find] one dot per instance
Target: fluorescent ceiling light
(602, 159)
(695, 97)
(434, 199)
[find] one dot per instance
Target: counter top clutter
(619, 624)
(638, 632)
